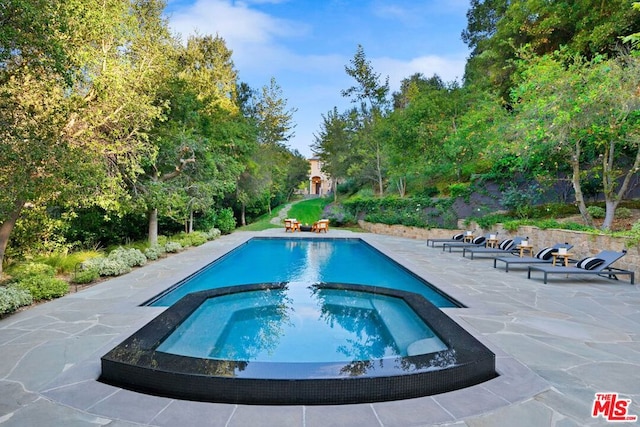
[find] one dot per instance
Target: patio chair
(320, 226)
(455, 238)
(476, 242)
(291, 224)
(507, 246)
(543, 256)
(599, 265)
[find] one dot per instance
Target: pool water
(303, 263)
(331, 326)
(300, 321)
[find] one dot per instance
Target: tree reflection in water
(257, 327)
(354, 313)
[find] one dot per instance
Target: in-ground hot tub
(223, 345)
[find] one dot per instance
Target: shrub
(634, 239)
(12, 298)
(131, 257)
(213, 234)
(596, 211)
(225, 221)
(154, 252)
(462, 190)
(195, 238)
(338, 216)
(85, 276)
(623, 213)
(107, 266)
(521, 201)
(32, 269)
(366, 192)
(43, 287)
(172, 247)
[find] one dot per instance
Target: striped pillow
(479, 240)
(506, 244)
(545, 253)
(589, 263)
(458, 236)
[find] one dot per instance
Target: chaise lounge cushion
(479, 240)
(506, 244)
(545, 253)
(458, 236)
(589, 263)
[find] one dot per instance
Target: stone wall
(584, 244)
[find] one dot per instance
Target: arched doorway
(316, 185)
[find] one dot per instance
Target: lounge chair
(320, 226)
(291, 224)
(599, 265)
(455, 238)
(507, 246)
(476, 242)
(543, 256)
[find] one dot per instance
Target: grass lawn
(308, 211)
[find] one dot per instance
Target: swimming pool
(303, 262)
(220, 341)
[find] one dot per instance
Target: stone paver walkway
(556, 345)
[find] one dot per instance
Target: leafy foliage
(12, 298)
(225, 221)
(43, 287)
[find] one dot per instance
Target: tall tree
(197, 145)
(333, 145)
(265, 177)
(372, 96)
(38, 163)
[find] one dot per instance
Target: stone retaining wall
(584, 244)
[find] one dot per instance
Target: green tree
(200, 144)
(498, 29)
(586, 113)
(38, 162)
(264, 180)
(371, 94)
(333, 145)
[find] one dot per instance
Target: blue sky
(305, 45)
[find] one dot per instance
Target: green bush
(596, 211)
(213, 234)
(44, 287)
(226, 221)
(129, 256)
(338, 216)
(24, 271)
(12, 298)
(195, 238)
(521, 201)
(623, 213)
(634, 239)
(462, 190)
(154, 252)
(84, 276)
(172, 247)
(107, 266)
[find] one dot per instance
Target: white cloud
(449, 69)
(235, 22)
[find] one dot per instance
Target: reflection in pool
(333, 326)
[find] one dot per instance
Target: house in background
(319, 183)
